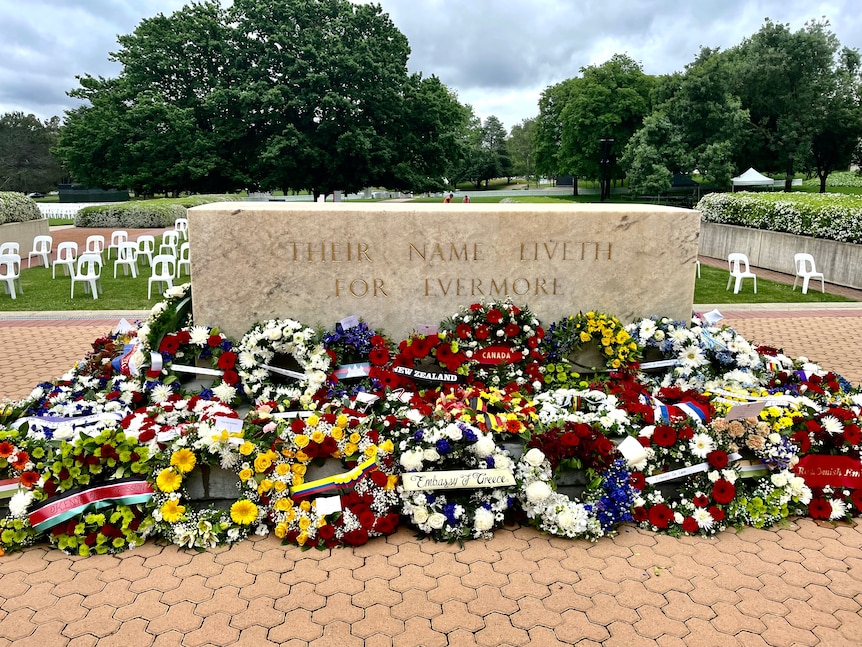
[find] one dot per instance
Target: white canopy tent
(752, 178)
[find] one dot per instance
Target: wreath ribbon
(125, 491)
(343, 482)
(8, 487)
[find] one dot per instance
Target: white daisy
(832, 424)
(701, 444)
(703, 518)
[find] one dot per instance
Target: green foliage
(26, 162)
(830, 215)
(522, 149)
(16, 207)
(143, 214)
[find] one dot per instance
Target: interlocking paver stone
(498, 630)
(418, 631)
(455, 615)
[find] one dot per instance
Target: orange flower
(29, 479)
(6, 449)
(21, 460)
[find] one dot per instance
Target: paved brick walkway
(797, 585)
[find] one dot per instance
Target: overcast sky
(498, 55)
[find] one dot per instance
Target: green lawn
(711, 287)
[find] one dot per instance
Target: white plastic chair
(10, 273)
(67, 254)
(181, 225)
(184, 260)
(10, 248)
(170, 243)
(127, 258)
(697, 264)
(164, 268)
(42, 246)
(146, 248)
(89, 272)
(117, 238)
(737, 263)
(95, 245)
(806, 270)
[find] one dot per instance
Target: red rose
(856, 498)
(326, 532)
(378, 478)
(819, 508)
(660, 515)
(90, 540)
(386, 525)
(717, 459)
(690, 526)
(723, 491)
(214, 341)
(801, 438)
(297, 425)
(475, 307)
(494, 316)
(356, 537)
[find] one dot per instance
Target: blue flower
(443, 446)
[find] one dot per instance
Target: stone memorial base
(400, 266)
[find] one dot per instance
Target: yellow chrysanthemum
(168, 480)
(184, 460)
(246, 448)
(300, 440)
(243, 512)
(172, 511)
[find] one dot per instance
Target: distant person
(466, 199)
(448, 198)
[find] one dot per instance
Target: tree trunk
(574, 185)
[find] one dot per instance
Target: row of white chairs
(803, 264)
(130, 254)
(88, 270)
(10, 272)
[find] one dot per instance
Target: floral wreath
(427, 363)
(454, 515)
(188, 346)
(367, 503)
(502, 343)
(159, 424)
(698, 500)
(765, 500)
(282, 337)
(590, 406)
(22, 461)
(358, 354)
(606, 504)
(614, 346)
(166, 316)
(835, 431)
(176, 517)
(121, 523)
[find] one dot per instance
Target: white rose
(537, 491)
(484, 520)
(678, 518)
(64, 431)
(437, 520)
(534, 457)
(779, 479)
(431, 454)
(273, 334)
(420, 515)
(454, 432)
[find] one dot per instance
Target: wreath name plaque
(823, 470)
(497, 355)
(457, 479)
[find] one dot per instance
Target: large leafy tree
(785, 80)
(610, 102)
(290, 94)
(549, 128)
(522, 149)
(26, 162)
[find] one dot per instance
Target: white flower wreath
(456, 514)
(260, 346)
(558, 514)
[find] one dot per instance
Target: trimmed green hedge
(143, 214)
(17, 207)
(833, 216)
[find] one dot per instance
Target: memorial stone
(400, 266)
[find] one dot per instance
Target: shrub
(143, 214)
(833, 216)
(17, 207)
